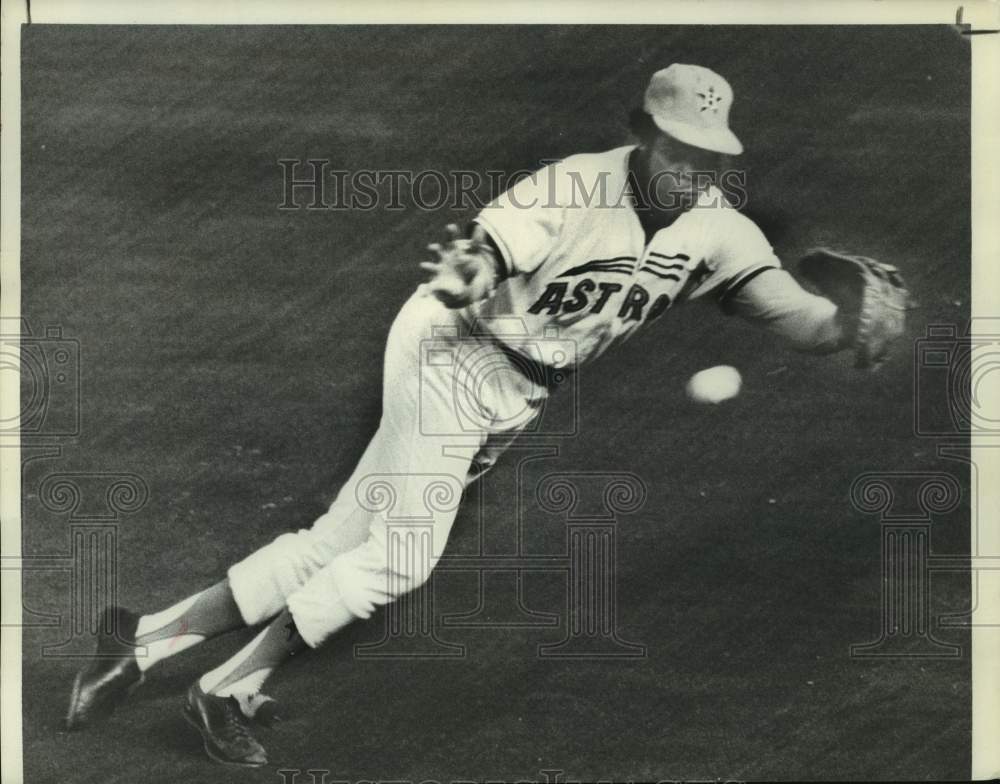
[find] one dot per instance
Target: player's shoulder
(716, 205)
(603, 174)
(613, 160)
(734, 243)
(722, 215)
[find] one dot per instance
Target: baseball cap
(691, 104)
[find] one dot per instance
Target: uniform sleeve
(738, 251)
(526, 220)
(776, 302)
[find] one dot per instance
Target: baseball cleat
(112, 673)
(261, 708)
(224, 729)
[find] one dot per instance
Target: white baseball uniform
(579, 264)
(579, 260)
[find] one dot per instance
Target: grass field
(230, 356)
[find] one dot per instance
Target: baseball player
(592, 249)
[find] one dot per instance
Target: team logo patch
(710, 100)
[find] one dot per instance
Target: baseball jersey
(581, 274)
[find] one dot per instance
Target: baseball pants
(451, 403)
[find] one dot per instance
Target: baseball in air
(714, 385)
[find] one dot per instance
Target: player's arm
(747, 279)
(513, 235)
(773, 299)
(862, 305)
(464, 269)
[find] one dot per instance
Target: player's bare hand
(463, 270)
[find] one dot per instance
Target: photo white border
(981, 15)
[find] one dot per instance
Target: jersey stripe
(623, 264)
(682, 256)
(661, 266)
(664, 275)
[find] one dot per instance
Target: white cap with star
(691, 104)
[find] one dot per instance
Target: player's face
(677, 172)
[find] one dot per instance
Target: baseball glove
(870, 296)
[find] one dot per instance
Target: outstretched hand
(463, 270)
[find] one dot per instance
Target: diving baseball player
(593, 248)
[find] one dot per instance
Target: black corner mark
(968, 30)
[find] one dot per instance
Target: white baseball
(714, 384)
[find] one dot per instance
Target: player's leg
(262, 582)
(129, 644)
(283, 568)
(220, 702)
(444, 423)
(345, 525)
(195, 619)
(400, 466)
(243, 675)
(413, 471)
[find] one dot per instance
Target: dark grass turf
(231, 357)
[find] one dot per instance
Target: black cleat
(112, 673)
(224, 729)
(262, 709)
